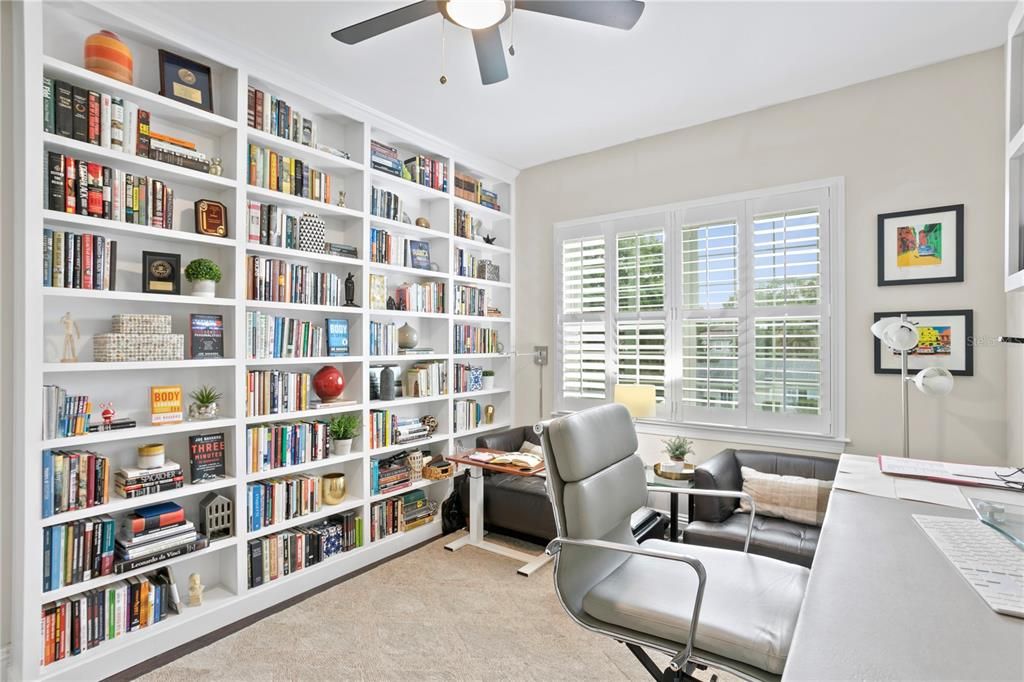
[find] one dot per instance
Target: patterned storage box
(312, 231)
(138, 347)
(140, 324)
(488, 270)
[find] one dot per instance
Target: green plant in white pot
(678, 449)
(343, 428)
(488, 379)
(204, 274)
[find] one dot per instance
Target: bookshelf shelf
(482, 429)
(136, 164)
(480, 356)
(477, 282)
(117, 228)
(474, 207)
(72, 367)
(157, 105)
(480, 318)
(296, 254)
(300, 468)
(282, 199)
(78, 588)
(400, 184)
(302, 414)
(120, 504)
(482, 392)
(325, 511)
(317, 159)
(49, 45)
(57, 292)
(137, 433)
(418, 485)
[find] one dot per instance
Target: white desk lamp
(899, 334)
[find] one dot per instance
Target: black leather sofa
(715, 523)
(519, 505)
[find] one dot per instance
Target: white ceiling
(576, 87)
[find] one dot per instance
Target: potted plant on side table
(343, 428)
(204, 274)
(678, 449)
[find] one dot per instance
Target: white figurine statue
(195, 590)
(71, 335)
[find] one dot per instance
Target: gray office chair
(656, 594)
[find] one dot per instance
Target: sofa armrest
(721, 472)
(506, 441)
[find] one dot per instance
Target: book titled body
(206, 456)
(337, 336)
(165, 404)
(206, 336)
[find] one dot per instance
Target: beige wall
(928, 137)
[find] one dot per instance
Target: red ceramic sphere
(328, 383)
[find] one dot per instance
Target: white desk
(883, 603)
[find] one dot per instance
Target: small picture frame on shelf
(211, 218)
(186, 81)
(161, 273)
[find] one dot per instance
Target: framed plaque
(161, 273)
(211, 218)
(186, 81)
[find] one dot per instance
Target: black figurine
(490, 239)
(350, 291)
(392, 305)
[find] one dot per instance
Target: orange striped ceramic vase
(107, 55)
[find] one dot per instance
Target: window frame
(827, 433)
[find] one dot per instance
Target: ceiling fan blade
(388, 21)
(615, 13)
(490, 55)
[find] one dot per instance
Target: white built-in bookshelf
(52, 37)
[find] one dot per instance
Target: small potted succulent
(205, 403)
(204, 274)
(678, 449)
(488, 379)
(343, 428)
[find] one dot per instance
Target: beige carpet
(430, 614)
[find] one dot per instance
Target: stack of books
(79, 261)
(153, 534)
(426, 379)
(468, 414)
(273, 392)
(386, 518)
(343, 250)
(383, 338)
(421, 298)
(489, 199)
(417, 510)
(469, 188)
(387, 429)
(92, 189)
(276, 500)
(470, 300)
(471, 339)
(385, 204)
(73, 479)
(131, 482)
(64, 415)
(172, 150)
(275, 336)
(271, 446)
(389, 473)
(279, 554)
(385, 158)
(428, 172)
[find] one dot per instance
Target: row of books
(385, 204)
(277, 500)
(399, 514)
(469, 265)
(273, 279)
(92, 189)
(273, 115)
(279, 173)
(421, 298)
(280, 554)
(132, 482)
(467, 378)
(272, 225)
(425, 379)
(276, 336)
(72, 626)
(273, 391)
(471, 339)
(113, 123)
(470, 300)
(391, 249)
(64, 415)
(272, 446)
(466, 414)
(385, 158)
(469, 188)
(428, 172)
(465, 225)
(389, 473)
(79, 261)
(387, 429)
(73, 479)
(383, 338)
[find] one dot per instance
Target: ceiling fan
(483, 17)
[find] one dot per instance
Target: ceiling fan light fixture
(475, 14)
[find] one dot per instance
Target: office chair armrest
(707, 492)
(555, 546)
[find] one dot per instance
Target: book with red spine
(69, 185)
(94, 118)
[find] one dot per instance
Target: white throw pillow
(529, 448)
(794, 498)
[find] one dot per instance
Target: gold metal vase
(333, 488)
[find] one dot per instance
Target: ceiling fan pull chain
(512, 30)
(444, 78)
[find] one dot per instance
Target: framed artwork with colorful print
(924, 246)
(945, 339)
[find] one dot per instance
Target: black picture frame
(957, 209)
(186, 81)
(161, 282)
(967, 314)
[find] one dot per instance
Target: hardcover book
(206, 456)
(378, 292)
(419, 254)
(206, 339)
(165, 404)
(337, 336)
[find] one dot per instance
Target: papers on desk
(862, 475)
(1002, 478)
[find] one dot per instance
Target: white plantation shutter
(640, 280)
(640, 307)
(582, 347)
(583, 276)
(711, 363)
(787, 259)
(787, 365)
(583, 360)
(710, 273)
(641, 354)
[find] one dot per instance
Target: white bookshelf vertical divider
(49, 43)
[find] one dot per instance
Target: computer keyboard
(986, 559)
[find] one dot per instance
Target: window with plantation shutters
(723, 305)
